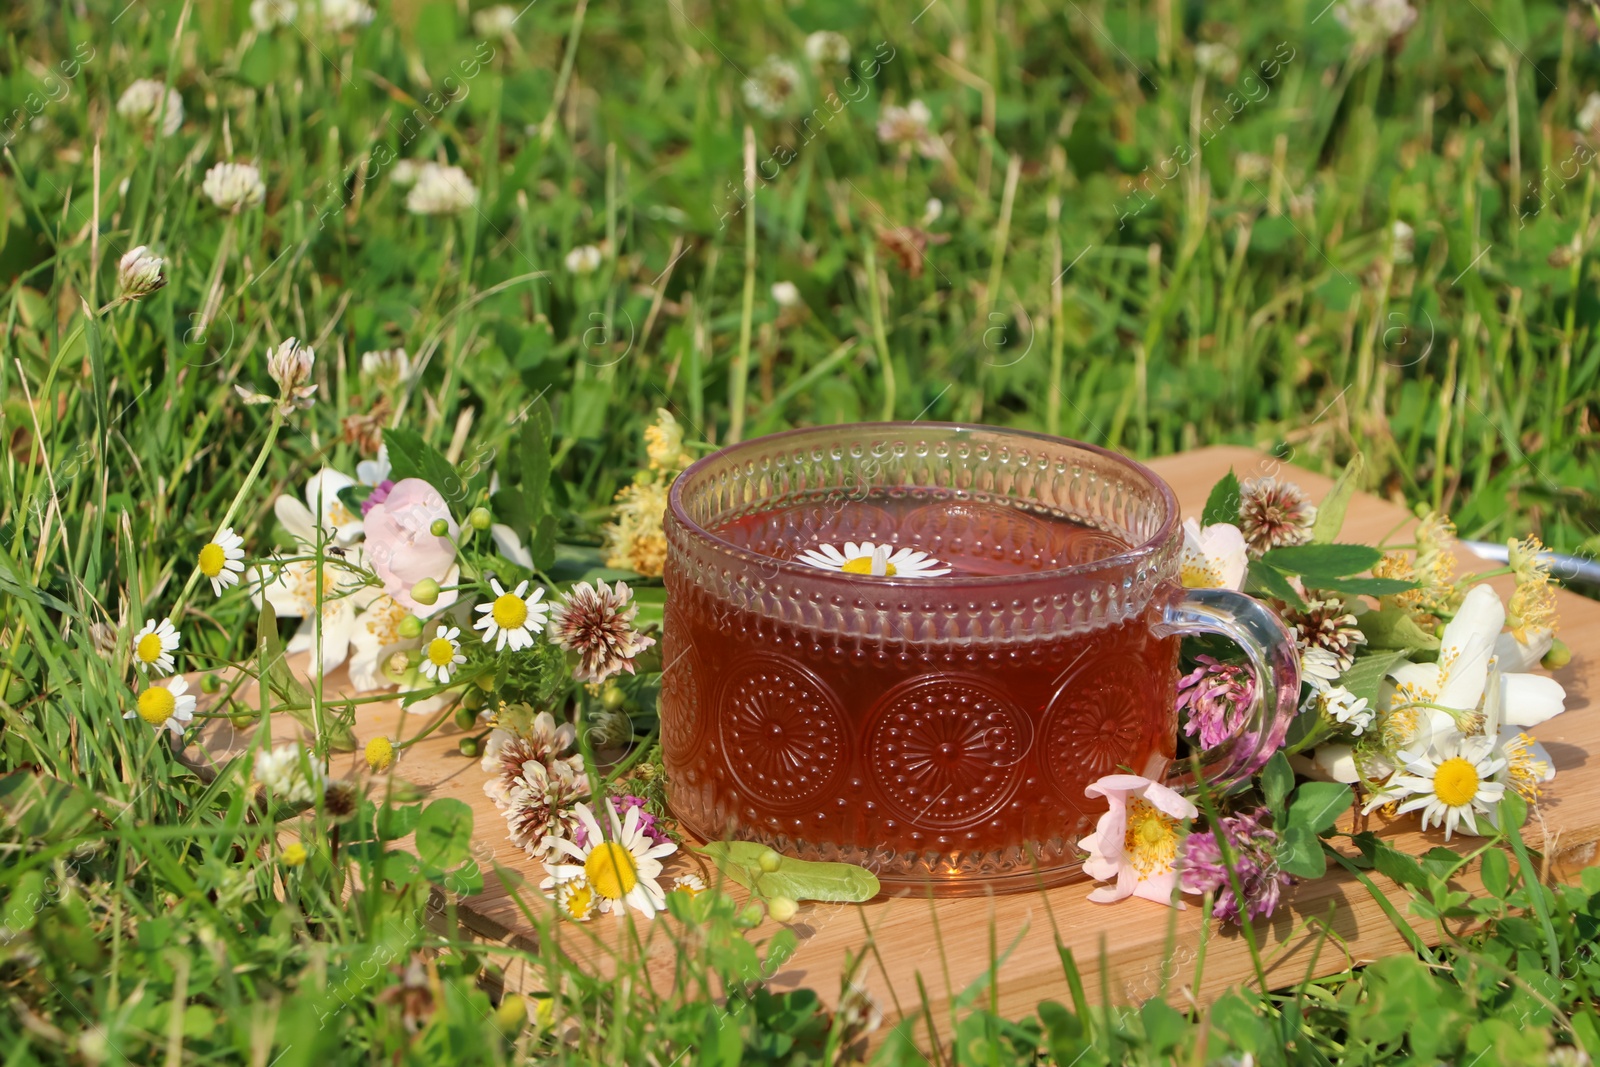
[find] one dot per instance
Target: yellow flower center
(212, 557)
(1455, 782)
(149, 648)
(1151, 840)
(579, 902)
(441, 653)
(510, 611)
(380, 753)
(156, 705)
(1198, 573)
(610, 870)
(863, 565)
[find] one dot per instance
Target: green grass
(1114, 261)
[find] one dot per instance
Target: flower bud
(425, 592)
(466, 718)
(769, 860)
(1558, 656)
(480, 519)
(440, 528)
(613, 697)
(468, 746)
(139, 274)
(512, 1014)
(411, 626)
(782, 908)
(210, 683)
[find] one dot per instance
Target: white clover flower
(826, 46)
(289, 366)
(267, 14)
(234, 186)
(772, 87)
(908, 127)
(786, 294)
(1252, 166)
(1375, 21)
(441, 190)
(139, 274)
(407, 171)
(390, 366)
(932, 210)
(281, 773)
(585, 259)
(1216, 60)
(496, 21)
(341, 15)
(1589, 114)
(1403, 239)
(147, 100)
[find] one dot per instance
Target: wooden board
(1133, 950)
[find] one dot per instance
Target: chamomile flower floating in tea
(1449, 785)
(882, 561)
(442, 655)
(621, 866)
(154, 645)
(165, 706)
(512, 618)
(222, 560)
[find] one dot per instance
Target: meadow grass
(1125, 249)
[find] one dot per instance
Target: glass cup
(937, 730)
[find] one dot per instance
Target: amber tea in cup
(939, 730)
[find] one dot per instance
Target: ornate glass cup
(937, 730)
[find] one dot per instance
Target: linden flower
(168, 706)
(621, 867)
(234, 186)
(597, 623)
(222, 559)
(441, 190)
(1136, 842)
(510, 619)
(585, 259)
(442, 655)
(663, 443)
(1450, 784)
(1214, 557)
(148, 100)
(154, 645)
(876, 560)
(635, 539)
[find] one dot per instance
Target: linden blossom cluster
(1418, 688)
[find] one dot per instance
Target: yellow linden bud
(769, 860)
(782, 908)
(411, 626)
(480, 519)
(380, 753)
(512, 1014)
(1558, 656)
(425, 591)
(294, 855)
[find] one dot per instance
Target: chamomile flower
(442, 655)
(154, 645)
(619, 864)
(1450, 784)
(692, 884)
(512, 618)
(222, 559)
(168, 706)
(878, 560)
(576, 899)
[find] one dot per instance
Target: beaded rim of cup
(889, 434)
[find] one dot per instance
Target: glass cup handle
(1258, 630)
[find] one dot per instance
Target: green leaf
(1276, 780)
(1262, 580)
(1496, 872)
(1394, 628)
(795, 879)
(535, 459)
(395, 822)
(543, 548)
(412, 457)
(444, 834)
(1223, 503)
(1363, 586)
(1330, 513)
(1300, 853)
(1317, 805)
(1366, 674)
(1322, 561)
(1396, 865)
(510, 506)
